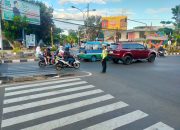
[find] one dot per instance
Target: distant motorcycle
(162, 53)
(61, 63)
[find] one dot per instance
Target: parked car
(127, 52)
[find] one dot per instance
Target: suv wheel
(151, 58)
(115, 61)
(127, 60)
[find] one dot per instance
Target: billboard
(12, 8)
(117, 22)
(30, 40)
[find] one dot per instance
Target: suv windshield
(113, 46)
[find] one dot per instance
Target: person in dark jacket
(68, 57)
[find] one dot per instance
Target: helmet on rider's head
(66, 48)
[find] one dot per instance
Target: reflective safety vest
(104, 54)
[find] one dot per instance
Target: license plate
(111, 52)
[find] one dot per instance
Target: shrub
(16, 50)
(54, 48)
(17, 44)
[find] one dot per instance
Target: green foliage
(12, 29)
(175, 12)
(63, 39)
(54, 48)
(43, 30)
(16, 50)
(56, 34)
(72, 37)
(17, 47)
(92, 28)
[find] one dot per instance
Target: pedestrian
(104, 59)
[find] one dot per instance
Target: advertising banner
(156, 36)
(30, 40)
(12, 8)
(117, 22)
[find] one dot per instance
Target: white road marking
(44, 88)
(29, 97)
(51, 111)
(50, 101)
(77, 117)
(159, 126)
(40, 84)
(118, 121)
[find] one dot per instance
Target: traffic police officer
(104, 59)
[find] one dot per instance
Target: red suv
(127, 52)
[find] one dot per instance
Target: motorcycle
(61, 63)
(42, 62)
(162, 53)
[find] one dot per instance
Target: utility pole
(87, 10)
(52, 37)
(1, 43)
(178, 19)
(87, 34)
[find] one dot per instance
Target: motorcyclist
(60, 51)
(45, 55)
(161, 51)
(68, 57)
(48, 55)
(161, 48)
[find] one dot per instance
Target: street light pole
(83, 12)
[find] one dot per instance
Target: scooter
(162, 53)
(61, 63)
(42, 62)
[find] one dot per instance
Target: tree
(92, 28)
(72, 37)
(57, 35)
(165, 22)
(43, 31)
(167, 31)
(13, 29)
(176, 16)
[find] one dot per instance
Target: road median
(8, 79)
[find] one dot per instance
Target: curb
(6, 80)
(174, 54)
(18, 61)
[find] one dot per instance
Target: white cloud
(157, 11)
(77, 15)
(70, 13)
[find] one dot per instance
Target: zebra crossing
(22, 69)
(58, 104)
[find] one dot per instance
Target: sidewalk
(18, 60)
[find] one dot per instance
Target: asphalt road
(145, 93)
(152, 88)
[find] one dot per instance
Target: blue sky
(148, 11)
